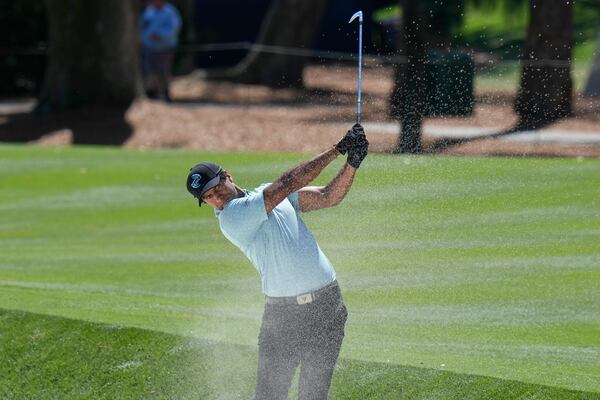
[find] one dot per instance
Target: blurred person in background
(159, 27)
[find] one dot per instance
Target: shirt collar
(218, 211)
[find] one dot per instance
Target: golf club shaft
(360, 25)
(358, 15)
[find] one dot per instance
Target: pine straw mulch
(224, 116)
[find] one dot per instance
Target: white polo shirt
(278, 244)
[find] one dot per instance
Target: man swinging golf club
(304, 315)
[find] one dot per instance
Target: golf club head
(357, 14)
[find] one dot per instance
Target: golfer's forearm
(305, 172)
(296, 178)
(336, 190)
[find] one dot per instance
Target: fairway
(462, 276)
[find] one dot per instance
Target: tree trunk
(407, 102)
(93, 56)
(288, 23)
(592, 87)
(545, 94)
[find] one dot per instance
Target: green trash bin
(449, 83)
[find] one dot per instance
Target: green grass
(506, 75)
(462, 276)
(56, 358)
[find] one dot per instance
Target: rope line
(303, 52)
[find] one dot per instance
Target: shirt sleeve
(243, 217)
(293, 198)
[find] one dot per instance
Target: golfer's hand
(349, 139)
(360, 146)
(358, 130)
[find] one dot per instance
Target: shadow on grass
(87, 126)
(440, 145)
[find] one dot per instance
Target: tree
(545, 93)
(425, 24)
(288, 23)
(408, 96)
(92, 58)
(22, 29)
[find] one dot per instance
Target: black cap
(202, 177)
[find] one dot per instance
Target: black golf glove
(349, 139)
(360, 147)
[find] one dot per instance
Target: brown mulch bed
(224, 116)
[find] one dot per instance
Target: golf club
(358, 14)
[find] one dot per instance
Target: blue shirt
(164, 22)
(278, 244)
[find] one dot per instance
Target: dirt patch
(223, 116)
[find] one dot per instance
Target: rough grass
(465, 266)
(55, 358)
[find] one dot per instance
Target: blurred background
(440, 76)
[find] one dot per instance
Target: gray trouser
(156, 66)
(309, 335)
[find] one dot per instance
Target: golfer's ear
(227, 175)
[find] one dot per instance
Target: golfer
(304, 315)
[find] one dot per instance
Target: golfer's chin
(224, 203)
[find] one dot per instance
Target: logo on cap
(196, 181)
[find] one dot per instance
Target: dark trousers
(307, 335)
(156, 68)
